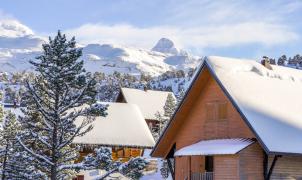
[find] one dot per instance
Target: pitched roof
(123, 126)
(270, 100)
(149, 102)
(215, 147)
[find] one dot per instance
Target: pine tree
(15, 164)
(55, 99)
(282, 60)
(169, 107)
(164, 118)
(8, 133)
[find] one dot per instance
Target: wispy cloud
(267, 34)
(196, 24)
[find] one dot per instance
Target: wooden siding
(251, 162)
(197, 164)
(226, 167)
(120, 98)
(197, 127)
(182, 167)
(287, 168)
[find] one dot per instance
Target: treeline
(295, 61)
(108, 86)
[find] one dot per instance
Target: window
(216, 110)
(222, 110)
(210, 111)
(209, 163)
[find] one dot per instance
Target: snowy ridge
(19, 44)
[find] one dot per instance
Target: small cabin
(150, 102)
(123, 130)
(238, 120)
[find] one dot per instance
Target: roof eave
(178, 107)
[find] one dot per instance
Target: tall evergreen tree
(61, 92)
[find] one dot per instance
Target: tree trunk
(53, 173)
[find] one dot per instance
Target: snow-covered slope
(18, 44)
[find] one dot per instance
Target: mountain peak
(165, 45)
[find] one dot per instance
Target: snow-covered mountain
(18, 44)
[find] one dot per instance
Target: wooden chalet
(150, 102)
(123, 130)
(238, 120)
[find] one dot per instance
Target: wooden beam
(270, 172)
(265, 164)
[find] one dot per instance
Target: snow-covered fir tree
(15, 163)
(60, 92)
(8, 133)
(169, 107)
(164, 118)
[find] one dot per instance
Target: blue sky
(246, 29)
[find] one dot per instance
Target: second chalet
(150, 102)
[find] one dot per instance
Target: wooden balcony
(202, 176)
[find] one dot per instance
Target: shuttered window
(222, 111)
(216, 110)
(210, 111)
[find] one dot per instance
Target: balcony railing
(202, 176)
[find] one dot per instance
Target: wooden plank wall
(287, 168)
(251, 162)
(226, 167)
(195, 127)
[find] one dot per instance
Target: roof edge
(179, 105)
(235, 105)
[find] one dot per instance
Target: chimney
(266, 63)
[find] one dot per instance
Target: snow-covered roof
(215, 147)
(17, 111)
(123, 126)
(149, 102)
(270, 100)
